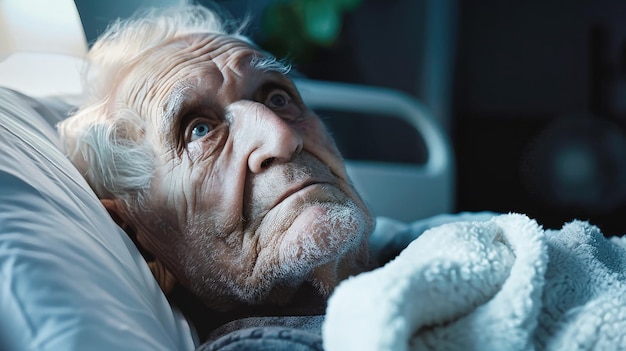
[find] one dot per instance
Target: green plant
(298, 28)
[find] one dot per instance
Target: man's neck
(305, 302)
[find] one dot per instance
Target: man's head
(200, 146)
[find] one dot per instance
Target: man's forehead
(224, 52)
(234, 53)
(234, 45)
(186, 56)
(219, 48)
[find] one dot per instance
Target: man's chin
(324, 241)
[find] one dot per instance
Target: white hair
(105, 140)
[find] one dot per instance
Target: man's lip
(297, 189)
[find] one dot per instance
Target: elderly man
(200, 147)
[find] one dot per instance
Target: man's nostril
(267, 162)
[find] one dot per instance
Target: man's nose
(268, 137)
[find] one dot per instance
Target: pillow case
(70, 279)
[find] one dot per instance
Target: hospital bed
(69, 278)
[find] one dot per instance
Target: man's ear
(118, 213)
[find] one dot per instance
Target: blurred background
(532, 93)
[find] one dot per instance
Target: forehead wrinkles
(207, 56)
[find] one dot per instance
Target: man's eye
(199, 130)
(277, 99)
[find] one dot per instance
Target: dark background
(532, 93)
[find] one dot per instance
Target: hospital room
(312, 175)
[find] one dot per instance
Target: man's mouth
(297, 190)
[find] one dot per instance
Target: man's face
(250, 198)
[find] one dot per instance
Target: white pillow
(70, 279)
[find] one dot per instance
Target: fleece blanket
(498, 284)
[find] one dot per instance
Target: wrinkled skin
(250, 198)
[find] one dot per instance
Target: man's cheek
(174, 192)
(319, 141)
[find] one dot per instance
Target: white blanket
(498, 284)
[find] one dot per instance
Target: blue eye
(199, 130)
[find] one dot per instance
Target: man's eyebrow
(280, 84)
(269, 63)
(173, 106)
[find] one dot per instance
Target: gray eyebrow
(173, 104)
(269, 63)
